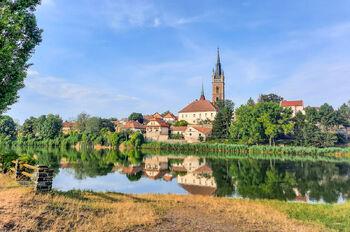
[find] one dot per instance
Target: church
(202, 109)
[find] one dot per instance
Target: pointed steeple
(218, 66)
(218, 59)
(202, 93)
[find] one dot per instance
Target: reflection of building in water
(132, 169)
(155, 166)
(198, 178)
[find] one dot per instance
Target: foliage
(240, 148)
(81, 121)
(165, 113)
(51, 127)
(181, 123)
(7, 127)
(19, 36)
(136, 117)
(222, 121)
(176, 136)
(265, 120)
(136, 140)
(270, 98)
(29, 127)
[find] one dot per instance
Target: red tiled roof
(291, 103)
(204, 168)
(134, 124)
(178, 128)
(160, 122)
(178, 169)
(204, 130)
(148, 117)
(115, 122)
(68, 124)
(199, 106)
(157, 115)
(170, 115)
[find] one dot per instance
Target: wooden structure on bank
(42, 175)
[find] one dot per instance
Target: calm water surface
(138, 172)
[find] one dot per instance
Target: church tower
(218, 83)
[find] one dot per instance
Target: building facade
(294, 105)
(198, 110)
(218, 82)
(157, 130)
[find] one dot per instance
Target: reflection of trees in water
(323, 180)
(277, 179)
(134, 177)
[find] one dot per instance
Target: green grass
(238, 148)
(335, 217)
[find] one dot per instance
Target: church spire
(202, 93)
(218, 66)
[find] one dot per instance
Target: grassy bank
(275, 150)
(22, 209)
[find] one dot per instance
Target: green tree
(93, 125)
(270, 98)
(275, 120)
(223, 118)
(81, 121)
(258, 122)
(51, 127)
(106, 123)
(7, 127)
(343, 115)
(19, 35)
(28, 127)
(136, 117)
(181, 123)
(250, 102)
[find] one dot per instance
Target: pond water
(199, 174)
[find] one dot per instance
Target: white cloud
(318, 82)
(47, 2)
(32, 72)
(156, 22)
(61, 89)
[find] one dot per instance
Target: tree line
(266, 122)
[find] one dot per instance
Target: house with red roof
(294, 105)
(157, 130)
(198, 110)
(169, 118)
(134, 126)
(178, 130)
(68, 127)
(195, 134)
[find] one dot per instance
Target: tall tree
(82, 119)
(51, 127)
(223, 118)
(7, 126)
(270, 98)
(28, 127)
(19, 35)
(136, 117)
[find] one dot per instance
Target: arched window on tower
(217, 90)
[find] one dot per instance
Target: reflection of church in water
(194, 174)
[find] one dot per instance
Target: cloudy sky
(113, 57)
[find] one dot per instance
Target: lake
(198, 174)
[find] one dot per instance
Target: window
(217, 99)
(190, 134)
(194, 115)
(217, 90)
(194, 181)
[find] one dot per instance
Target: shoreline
(83, 210)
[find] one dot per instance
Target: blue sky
(113, 57)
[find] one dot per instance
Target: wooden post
(18, 172)
(43, 180)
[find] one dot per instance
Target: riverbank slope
(21, 209)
